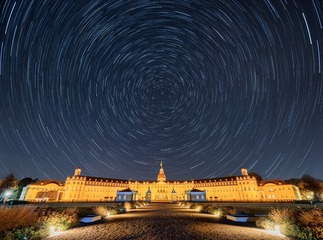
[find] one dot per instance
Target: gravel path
(166, 221)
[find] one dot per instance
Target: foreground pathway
(159, 221)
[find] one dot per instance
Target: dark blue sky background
(114, 87)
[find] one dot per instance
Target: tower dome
(161, 175)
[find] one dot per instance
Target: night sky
(115, 87)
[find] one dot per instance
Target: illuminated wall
(89, 189)
(43, 191)
(277, 190)
(80, 188)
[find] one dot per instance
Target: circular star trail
(114, 87)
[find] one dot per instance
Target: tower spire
(161, 175)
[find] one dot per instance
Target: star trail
(114, 87)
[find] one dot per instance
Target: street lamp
(7, 194)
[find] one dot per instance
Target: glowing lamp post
(217, 214)
(54, 231)
(7, 195)
(276, 231)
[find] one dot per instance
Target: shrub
(280, 216)
(127, 205)
(199, 207)
(16, 217)
(306, 233)
(230, 210)
(192, 206)
(219, 212)
(62, 220)
(104, 210)
(113, 210)
(311, 232)
(265, 223)
(290, 229)
(208, 209)
(301, 224)
(187, 204)
(312, 217)
(318, 232)
(138, 204)
(101, 210)
(31, 233)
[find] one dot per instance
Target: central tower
(161, 175)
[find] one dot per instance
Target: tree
(8, 183)
(22, 183)
(310, 184)
(256, 175)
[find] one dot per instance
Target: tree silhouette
(23, 183)
(256, 175)
(7, 183)
(310, 183)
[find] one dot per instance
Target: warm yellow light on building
(78, 188)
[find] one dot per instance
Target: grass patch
(17, 217)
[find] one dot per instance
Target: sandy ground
(163, 222)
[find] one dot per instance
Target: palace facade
(78, 188)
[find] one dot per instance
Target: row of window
(46, 189)
(278, 189)
(98, 183)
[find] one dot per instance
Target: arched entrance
(161, 196)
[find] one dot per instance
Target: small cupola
(77, 172)
(244, 171)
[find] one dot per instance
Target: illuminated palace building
(78, 188)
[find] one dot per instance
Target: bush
(300, 224)
(230, 210)
(31, 233)
(199, 207)
(306, 233)
(219, 212)
(311, 232)
(62, 220)
(208, 209)
(138, 204)
(20, 222)
(318, 231)
(280, 216)
(17, 217)
(127, 205)
(101, 210)
(192, 206)
(312, 217)
(104, 210)
(113, 210)
(187, 204)
(265, 223)
(290, 229)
